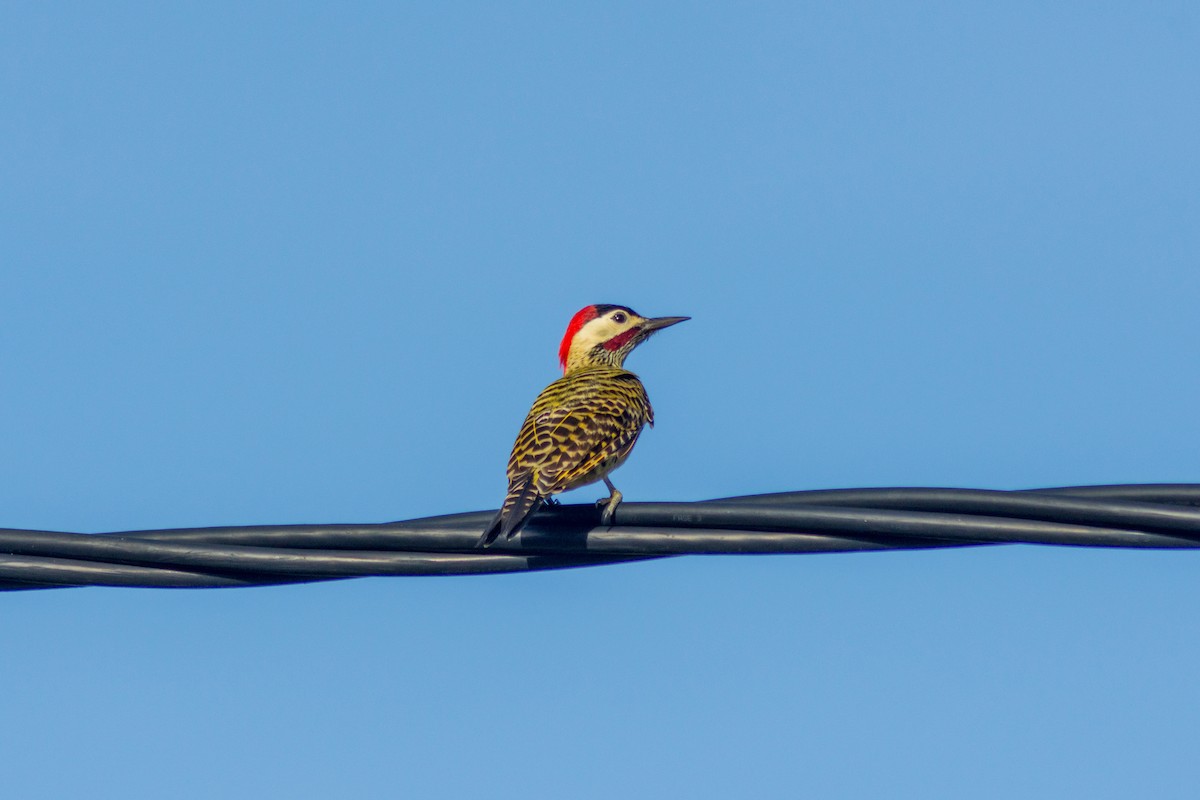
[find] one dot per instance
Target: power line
(824, 521)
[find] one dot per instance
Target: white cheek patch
(595, 332)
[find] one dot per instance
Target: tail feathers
(521, 502)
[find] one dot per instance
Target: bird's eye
(619, 317)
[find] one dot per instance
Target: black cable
(841, 520)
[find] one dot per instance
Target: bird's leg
(551, 501)
(609, 503)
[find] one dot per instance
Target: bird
(583, 425)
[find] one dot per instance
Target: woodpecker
(584, 425)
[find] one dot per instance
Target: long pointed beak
(658, 323)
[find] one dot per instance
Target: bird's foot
(609, 505)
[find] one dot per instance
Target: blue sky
(278, 263)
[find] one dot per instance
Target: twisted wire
(561, 536)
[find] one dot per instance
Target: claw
(609, 503)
